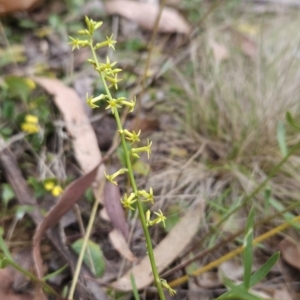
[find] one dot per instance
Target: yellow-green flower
(113, 104)
(112, 177)
(128, 201)
(91, 100)
(148, 197)
(130, 104)
(109, 42)
(134, 151)
(164, 284)
(131, 136)
(160, 218)
(77, 43)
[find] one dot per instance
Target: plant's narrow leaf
(55, 273)
(264, 269)
(287, 215)
(98, 263)
(144, 14)
(5, 249)
(267, 197)
(167, 251)
(114, 210)
(134, 288)
(281, 139)
(70, 196)
(291, 120)
(248, 251)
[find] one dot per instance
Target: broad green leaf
(7, 193)
(95, 260)
(281, 139)
(18, 86)
(141, 168)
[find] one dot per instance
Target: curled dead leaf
(144, 14)
(166, 252)
(290, 252)
(8, 6)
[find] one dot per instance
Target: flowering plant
(109, 77)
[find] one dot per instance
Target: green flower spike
(91, 100)
(134, 151)
(113, 176)
(77, 43)
(92, 25)
(148, 197)
(164, 284)
(131, 136)
(128, 201)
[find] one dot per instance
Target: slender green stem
(134, 187)
(83, 248)
(32, 277)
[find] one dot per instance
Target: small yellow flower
(148, 197)
(134, 151)
(112, 177)
(31, 84)
(49, 185)
(31, 124)
(164, 284)
(56, 191)
(130, 103)
(31, 119)
(128, 201)
(131, 136)
(160, 218)
(113, 104)
(91, 100)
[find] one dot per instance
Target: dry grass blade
(167, 251)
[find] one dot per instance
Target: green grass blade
(5, 249)
(248, 251)
(281, 139)
(264, 269)
(134, 288)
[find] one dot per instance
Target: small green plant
(109, 78)
(241, 291)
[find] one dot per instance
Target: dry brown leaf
(70, 196)
(166, 252)
(84, 141)
(9, 6)
(282, 294)
(114, 209)
(219, 50)
(144, 14)
(6, 282)
(290, 252)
